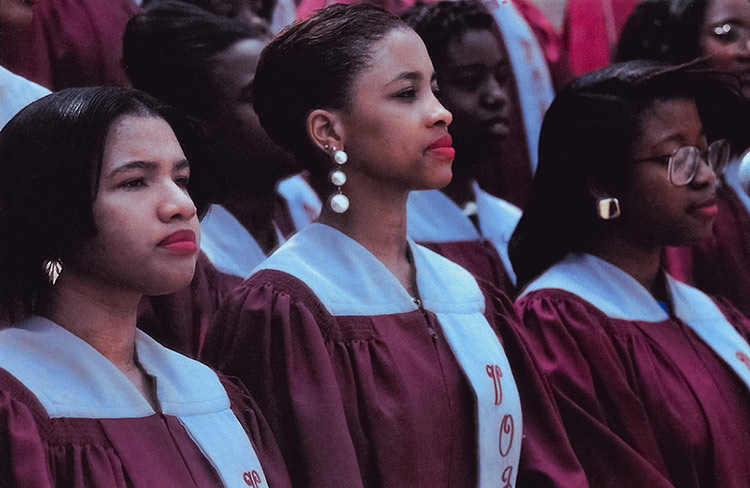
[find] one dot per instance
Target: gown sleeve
(588, 374)
(269, 334)
(23, 459)
(547, 458)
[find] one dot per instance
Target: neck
(103, 317)
(377, 220)
(639, 261)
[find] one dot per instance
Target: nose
(704, 175)
(176, 203)
(495, 95)
(438, 115)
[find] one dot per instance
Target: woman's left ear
(325, 129)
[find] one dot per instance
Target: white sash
(698, 311)
(302, 201)
(71, 379)
(732, 177)
(535, 91)
(620, 296)
(225, 444)
(349, 280)
(228, 245)
(433, 217)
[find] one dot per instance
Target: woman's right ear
(325, 130)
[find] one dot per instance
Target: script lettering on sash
(743, 357)
(494, 372)
(507, 430)
(507, 477)
(252, 478)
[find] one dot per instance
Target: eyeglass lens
(683, 165)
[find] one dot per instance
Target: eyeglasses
(684, 162)
(730, 33)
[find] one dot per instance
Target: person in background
(15, 91)
(70, 43)
(276, 13)
(652, 376)
(462, 221)
(245, 11)
(377, 362)
(93, 218)
(717, 31)
(204, 65)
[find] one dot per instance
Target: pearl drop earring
(339, 202)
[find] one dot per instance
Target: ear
(325, 128)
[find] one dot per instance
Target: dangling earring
(53, 269)
(338, 202)
(608, 208)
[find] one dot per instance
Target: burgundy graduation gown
(645, 401)
(69, 418)
(374, 400)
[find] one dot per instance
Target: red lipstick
(182, 241)
(707, 209)
(442, 147)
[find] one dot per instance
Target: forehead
(720, 10)
(475, 46)
(400, 51)
(140, 138)
(670, 120)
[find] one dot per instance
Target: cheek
(721, 57)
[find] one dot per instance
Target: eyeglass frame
(721, 30)
(720, 145)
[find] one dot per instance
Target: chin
(439, 180)
(165, 288)
(168, 282)
(690, 237)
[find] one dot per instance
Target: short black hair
(663, 30)
(229, 8)
(50, 163)
(167, 48)
(589, 132)
(437, 23)
(312, 64)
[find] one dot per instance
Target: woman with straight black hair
(377, 362)
(718, 32)
(96, 210)
(652, 377)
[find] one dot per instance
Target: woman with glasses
(652, 376)
(679, 31)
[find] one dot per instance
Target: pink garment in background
(591, 29)
(71, 43)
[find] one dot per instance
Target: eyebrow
(676, 138)
(146, 165)
(410, 76)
